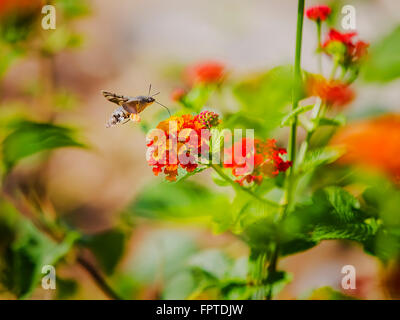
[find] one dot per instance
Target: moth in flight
(129, 107)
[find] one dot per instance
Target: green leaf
(333, 213)
(180, 286)
(197, 97)
(261, 235)
(352, 231)
(24, 257)
(265, 97)
(321, 156)
(161, 255)
(212, 262)
(343, 203)
(383, 63)
(218, 180)
(184, 199)
(287, 120)
(66, 288)
(338, 121)
(278, 280)
(28, 138)
(183, 174)
(108, 248)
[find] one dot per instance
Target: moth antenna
(163, 106)
(149, 90)
(156, 94)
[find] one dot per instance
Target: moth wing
(132, 105)
(115, 98)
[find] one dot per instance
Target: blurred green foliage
(383, 64)
(25, 250)
(264, 100)
(27, 138)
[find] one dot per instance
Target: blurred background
(123, 46)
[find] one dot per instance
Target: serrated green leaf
(321, 156)
(343, 203)
(353, 231)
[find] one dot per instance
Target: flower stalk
(289, 185)
(236, 185)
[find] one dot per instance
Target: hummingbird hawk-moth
(129, 107)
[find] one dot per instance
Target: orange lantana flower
(373, 143)
(182, 138)
(332, 92)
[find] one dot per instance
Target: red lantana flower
(343, 45)
(256, 159)
(183, 139)
(333, 92)
(318, 13)
(205, 72)
(345, 38)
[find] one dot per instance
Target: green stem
(235, 185)
(289, 184)
(101, 282)
(297, 80)
(319, 50)
(319, 111)
(343, 73)
(334, 69)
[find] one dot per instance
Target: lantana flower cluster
(202, 73)
(343, 47)
(185, 137)
(318, 13)
(345, 52)
(256, 160)
(334, 93)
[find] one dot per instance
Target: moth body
(130, 107)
